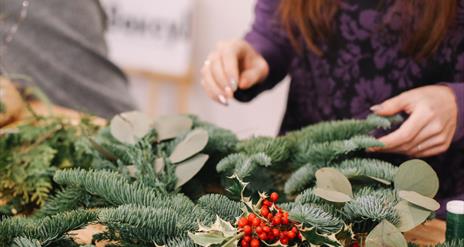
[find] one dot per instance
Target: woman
(348, 58)
(60, 45)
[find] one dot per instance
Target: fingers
(392, 106)
(407, 131)
(254, 74)
(211, 87)
(217, 71)
(230, 58)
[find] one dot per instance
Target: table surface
(429, 233)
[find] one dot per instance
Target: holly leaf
(385, 234)
(219, 232)
(193, 143)
(312, 236)
(416, 175)
(129, 127)
(168, 127)
(331, 179)
(419, 200)
(410, 215)
(189, 168)
(207, 238)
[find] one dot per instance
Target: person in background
(347, 59)
(60, 46)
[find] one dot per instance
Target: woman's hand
(11, 101)
(430, 126)
(234, 64)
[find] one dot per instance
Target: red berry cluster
(270, 225)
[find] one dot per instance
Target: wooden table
(429, 233)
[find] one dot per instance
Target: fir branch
(275, 148)
(220, 141)
(311, 215)
(47, 230)
(139, 224)
(368, 167)
(369, 207)
(183, 241)
(65, 200)
(220, 205)
(117, 190)
(324, 153)
(300, 179)
(25, 242)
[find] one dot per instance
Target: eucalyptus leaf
(193, 143)
(419, 200)
(410, 215)
(168, 127)
(332, 195)
(129, 127)
(385, 234)
(331, 179)
(189, 168)
(416, 175)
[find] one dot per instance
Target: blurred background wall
(214, 20)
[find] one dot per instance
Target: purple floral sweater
(363, 67)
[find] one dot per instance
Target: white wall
(218, 20)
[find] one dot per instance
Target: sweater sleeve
(271, 41)
(458, 89)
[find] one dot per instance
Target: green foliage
(314, 216)
(32, 153)
(46, 230)
(369, 207)
(25, 242)
(119, 185)
(452, 243)
(221, 205)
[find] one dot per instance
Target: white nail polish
(222, 100)
(233, 84)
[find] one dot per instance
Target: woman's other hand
(431, 124)
(233, 64)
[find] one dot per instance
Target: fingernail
(233, 84)
(375, 108)
(222, 100)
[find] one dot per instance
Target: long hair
(312, 20)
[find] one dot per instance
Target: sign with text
(151, 35)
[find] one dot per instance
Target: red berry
(274, 196)
(284, 240)
(264, 211)
(247, 230)
(242, 222)
(255, 243)
(276, 232)
(256, 222)
(270, 216)
(244, 243)
(259, 230)
(278, 214)
(294, 229)
(285, 220)
(286, 214)
(276, 221)
(251, 217)
(247, 238)
(355, 244)
(263, 236)
(291, 235)
(266, 229)
(267, 203)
